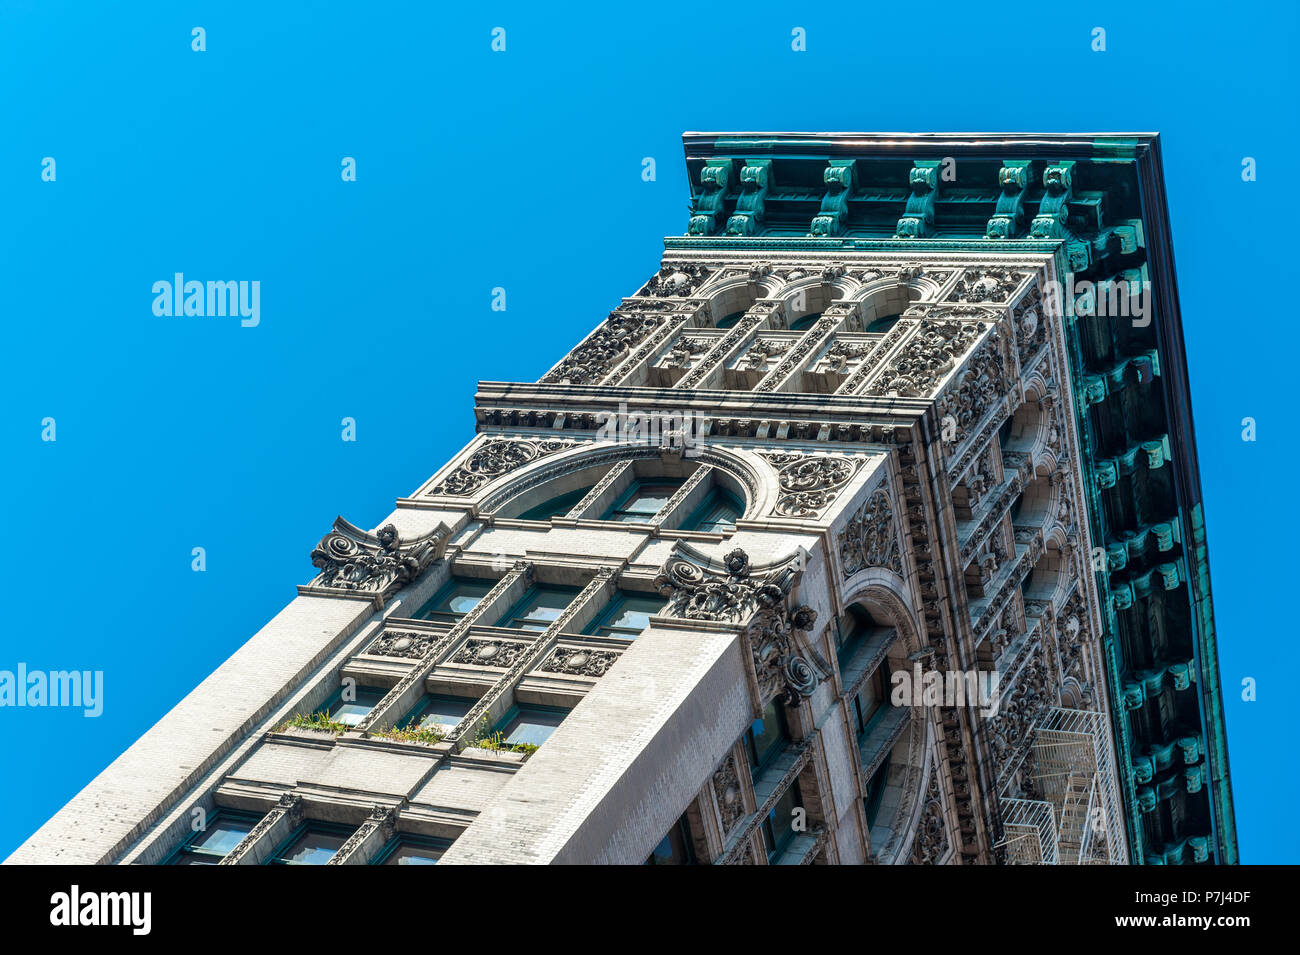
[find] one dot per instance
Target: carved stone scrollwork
(605, 348)
(809, 482)
(411, 644)
(382, 819)
(929, 355)
(580, 661)
(932, 835)
(288, 808)
(680, 279)
(782, 659)
(495, 458)
(981, 383)
(489, 653)
(731, 801)
(985, 285)
(869, 539)
(352, 559)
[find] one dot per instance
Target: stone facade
(895, 428)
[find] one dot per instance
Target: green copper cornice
(1096, 203)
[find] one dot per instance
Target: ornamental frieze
(985, 285)
(580, 661)
(808, 483)
(977, 387)
(870, 539)
(1011, 730)
(490, 653)
(931, 843)
(496, 457)
(351, 559)
(926, 358)
(783, 659)
(679, 279)
(605, 348)
(410, 644)
(726, 788)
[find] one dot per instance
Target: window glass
(458, 597)
(350, 712)
(805, 323)
(876, 791)
(730, 320)
(441, 712)
(531, 724)
(540, 607)
(778, 827)
(676, 848)
(871, 698)
(314, 844)
(767, 735)
(556, 506)
(642, 501)
(225, 830)
(627, 615)
(719, 512)
(882, 325)
(414, 850)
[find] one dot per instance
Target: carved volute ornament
(783, 660)
(352, 559)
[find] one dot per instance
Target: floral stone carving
(870, 540)
(352, 559)
(495, 458)
(783, 659)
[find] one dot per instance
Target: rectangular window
(457, 597)
(778, 827)
(539, 608)
(719, 512)
(626, 615)
(642, 502)
(225, 830)
(530, 724)
(676, 848)
(408, 849)
(352, 704)
(767, 736)
(439, 712)
(312, 844)
(868, 705)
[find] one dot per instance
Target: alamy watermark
(674, 430)
(1125, 298)
(196, 299)
(918, 687)
(61, 688)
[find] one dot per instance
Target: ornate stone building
(848, 537)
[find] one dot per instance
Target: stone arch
(587, 465)
(729, 297)
(884, 299)
(911, 758)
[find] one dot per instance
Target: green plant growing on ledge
(319, 721)
(496, 742)
(414, 734)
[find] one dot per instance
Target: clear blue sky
(520, 170)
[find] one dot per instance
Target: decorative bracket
(714, 179)
(755, 178)
(783, 660)
(353, 561)
(918, 216)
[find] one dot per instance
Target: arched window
(557, 506)
(729, 321)
(876, 791)
(805, 323)
(882, 325)
(719, 511)
(642, 501)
